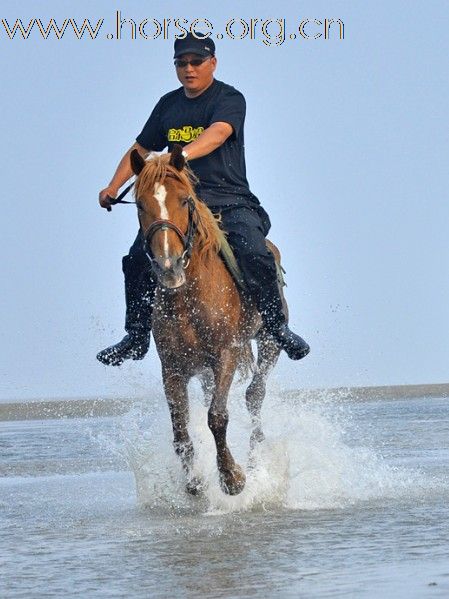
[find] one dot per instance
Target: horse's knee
(255, 394)
(184, 448)
(217, 422)
(257, 437)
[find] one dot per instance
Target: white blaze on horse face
(160, 193)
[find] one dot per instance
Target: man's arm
(209, 140)
(121, 175)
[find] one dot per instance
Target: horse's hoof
(233, 481)
(194, 486)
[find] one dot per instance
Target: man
(207, 117)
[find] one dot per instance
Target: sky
(346, 147)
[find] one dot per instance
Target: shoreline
(96, 407)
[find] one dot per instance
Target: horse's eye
(139, 206)
(184, 201)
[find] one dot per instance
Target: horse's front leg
(232, 477)
(175, 385)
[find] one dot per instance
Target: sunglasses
(195, 62)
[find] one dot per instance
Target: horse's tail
(246, 362)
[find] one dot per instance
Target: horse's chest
(190, 328)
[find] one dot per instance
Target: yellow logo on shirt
(186, 134)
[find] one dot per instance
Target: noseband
(186, 239)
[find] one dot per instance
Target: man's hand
(105, 194)
(121, 176)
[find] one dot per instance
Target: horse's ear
(137, 162)
(176, 158)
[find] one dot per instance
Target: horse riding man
(206, 117)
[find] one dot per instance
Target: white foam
(304, 463)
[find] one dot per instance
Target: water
(344, 500)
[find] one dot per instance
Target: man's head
(195, 63)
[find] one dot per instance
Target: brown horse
(202, 325)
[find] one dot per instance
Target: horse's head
(167, 213)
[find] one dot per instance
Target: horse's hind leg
(232, 478)
(267, 356)
(175, 385)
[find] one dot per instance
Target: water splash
(306, 462)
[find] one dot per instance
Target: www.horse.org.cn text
(271, 32)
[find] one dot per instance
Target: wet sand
(101, 407)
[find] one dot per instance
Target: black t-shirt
(179, 119)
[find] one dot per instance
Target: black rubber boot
(131, 347)
(294, 345)
(271, 309)
(139, 294)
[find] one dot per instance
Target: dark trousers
(246, 229)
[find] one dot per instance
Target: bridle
(186, 238)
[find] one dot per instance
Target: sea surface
(345, 498)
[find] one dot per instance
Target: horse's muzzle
(170, 271)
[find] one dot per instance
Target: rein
(119, 199)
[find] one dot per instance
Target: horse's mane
(157, 168)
